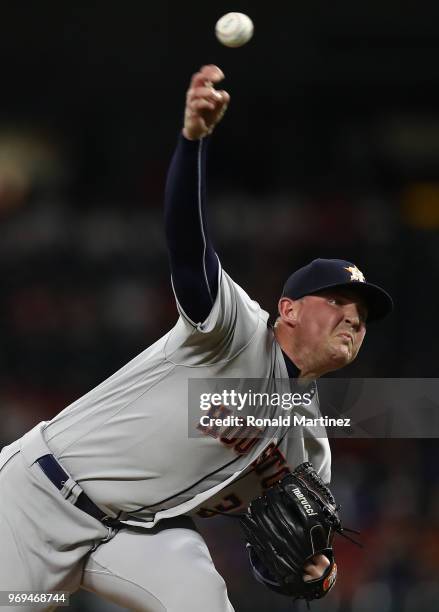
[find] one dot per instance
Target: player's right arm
(193, 261)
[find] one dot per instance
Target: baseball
(234, 29)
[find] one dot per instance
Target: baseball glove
(295, 520)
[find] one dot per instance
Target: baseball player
(101, 496)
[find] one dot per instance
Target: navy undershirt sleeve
(193, 261)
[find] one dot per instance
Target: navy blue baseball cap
(323, 274)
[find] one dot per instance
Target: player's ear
(288, 310)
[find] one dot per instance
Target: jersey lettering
(215, 412)
(240, 438)
(272, 457)
(269, 458)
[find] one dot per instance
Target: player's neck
(306, 369)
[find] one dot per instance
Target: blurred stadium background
(330, 148)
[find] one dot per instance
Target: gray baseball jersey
(126, 442)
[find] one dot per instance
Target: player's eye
(334, 301)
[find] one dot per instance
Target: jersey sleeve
(319, 453)
(230, 326)
(317, 444)
(192, 258)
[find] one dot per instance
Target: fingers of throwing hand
(199, 105)
(207, 75)
(205, 105)
(225, 97)
(209, 93)
(206, 98)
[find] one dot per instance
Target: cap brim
(378, 302)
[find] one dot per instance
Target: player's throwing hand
(205, 105)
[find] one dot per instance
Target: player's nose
(352, 314)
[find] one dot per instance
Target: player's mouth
(347, 336)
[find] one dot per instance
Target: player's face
(332, 326)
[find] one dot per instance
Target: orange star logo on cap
(356, 274)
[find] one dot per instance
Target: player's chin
(341, 355)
